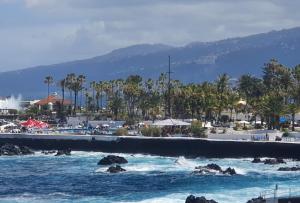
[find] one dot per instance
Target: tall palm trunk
(75, 101)
(293, 121)
(63, 99)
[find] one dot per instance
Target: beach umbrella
(40, 124)
(31, 123)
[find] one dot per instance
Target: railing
(272, 195)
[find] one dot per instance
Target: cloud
(34, 32)
(41, 3)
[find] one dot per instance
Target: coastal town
(221, 119)
(168, 101)
(248, 108)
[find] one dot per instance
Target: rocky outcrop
(229, 171)
(257, 200)
(214, 169)
(294, 168)
(274, 161)
(115, 169)
(112, 159)
(193, 199)
(48, 152)
(256, 160)
(11, 150)
(66, 152)
(269, 161)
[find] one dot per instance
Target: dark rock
(257, 200)
(26, 150)
(229, 171)
(11, 150)
(294, 168)
(193, 199)
(213, 169)
(274, 161)
(66, 152)
(112, 159)
(48, 152)
(115, 169)
(256, 160)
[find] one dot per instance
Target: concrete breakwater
(189, 147)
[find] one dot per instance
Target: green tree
(48, 81)
(222, 84)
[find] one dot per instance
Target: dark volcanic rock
(115, 169)
(49, 152)
(213, 169)
(256, 160)
(11, 150)
(295, 168)
(112, 159)
(63, 152)
(193, 199)
(26, 150)
(257, 200)
(274, 161)
(229, 171)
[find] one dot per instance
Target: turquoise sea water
(78, 178)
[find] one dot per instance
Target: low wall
(189, 147)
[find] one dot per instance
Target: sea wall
(189, 147)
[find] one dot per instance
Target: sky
(41, 32)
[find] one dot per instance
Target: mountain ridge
(194, 62)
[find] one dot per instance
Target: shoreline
(166, 146)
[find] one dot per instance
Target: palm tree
(48, 80)
(82, 80)
(70, 79)
(292, 109)
(222, 84)
(93, 86)
(62, 85)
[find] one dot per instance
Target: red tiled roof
(52, 99)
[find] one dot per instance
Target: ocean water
(148, 179)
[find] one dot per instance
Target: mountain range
(194, 62)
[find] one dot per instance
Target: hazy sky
(37, 32)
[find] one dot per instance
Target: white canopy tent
(243, 122)
(171, 122)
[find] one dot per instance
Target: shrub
(197, 129)
(213, 130)
(237, 126)
(177, 131)
(130, 121)
(245, 128)
(151, 132)
(285, 133)
(121, 132)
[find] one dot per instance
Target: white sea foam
(185, 163)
